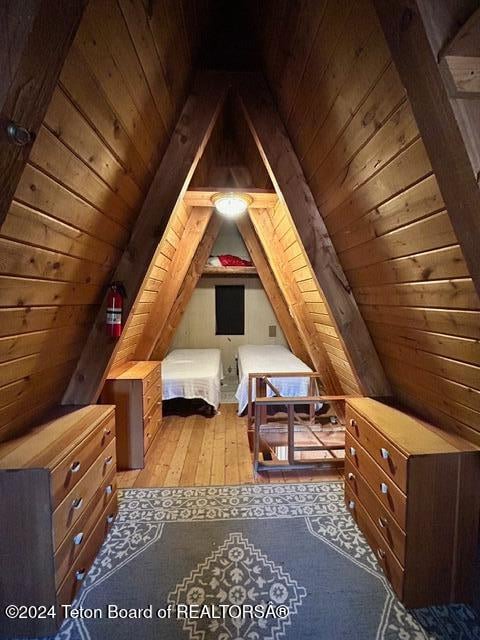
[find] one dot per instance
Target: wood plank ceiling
(120, 91)
(352, 127)
(347, 114)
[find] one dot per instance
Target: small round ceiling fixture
(231, 205)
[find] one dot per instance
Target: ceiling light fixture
(231, 205)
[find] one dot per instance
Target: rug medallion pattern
(239, 570)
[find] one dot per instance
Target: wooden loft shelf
(229, 271)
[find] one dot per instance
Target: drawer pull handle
(149, 435)
(109, 460)
(78, 538)
(75, 466)
(351, 505)
(109, 489)
(77, 503)
(383, 522)
(353, 451)
(353, 422)
(384, 453)
(80, 574)
(351, 476)
(107, 431)
(380, 554)
(110, 519)
(383, 487)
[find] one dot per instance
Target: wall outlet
(272, 331)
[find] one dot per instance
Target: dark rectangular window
(230, 310)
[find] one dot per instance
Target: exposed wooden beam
(33, 46)
(189, 284)
(318, 356)
(272, 289)
(230, 271)
(174, 173)
(460, 60)
(191, 238)
(203, 197)
(407, 34)
(284, 168)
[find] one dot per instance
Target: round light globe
(231, 205)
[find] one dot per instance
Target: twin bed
(197, 373)
(193, 374)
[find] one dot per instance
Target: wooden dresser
(57, 502)
(414, 492)
(135, 388)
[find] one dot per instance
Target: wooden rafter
(264, 229)
(284, 168)
(173, 175)
(411, 37)
(191, 237)
(272, 289)
(33, 60)
(187, 288)
(460, 60)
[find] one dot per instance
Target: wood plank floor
(197, 451)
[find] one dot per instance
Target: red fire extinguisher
(116, 295)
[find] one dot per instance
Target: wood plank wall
(157, 275)
(352, 127)
(299, 266)
(120, 92)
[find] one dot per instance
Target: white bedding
(265, 358)
(193, 373)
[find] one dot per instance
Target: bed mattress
(265, 358)
(193, 373)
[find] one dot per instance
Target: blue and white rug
(258, 562)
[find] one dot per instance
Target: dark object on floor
(185, 407)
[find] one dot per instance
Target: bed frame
(258, 417)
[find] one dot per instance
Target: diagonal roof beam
(460, 60)
(285, 171)
(192, 235)
(189, 284)
(265, 231)
(449, 128)
(272, 289)
(33, 56)
(171, 180)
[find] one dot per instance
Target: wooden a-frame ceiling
(372, 97)
(295, 260)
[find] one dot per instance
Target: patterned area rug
(246, 563)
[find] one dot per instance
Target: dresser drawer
(385, 558)
(151, 425)
(75, 503)
(152, 379)
(151, 399)
(381, 484)
(385, 454)
(75, 541)
(83, 562)
(67, 474)
(388, 527)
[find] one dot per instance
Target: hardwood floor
(197, 451)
